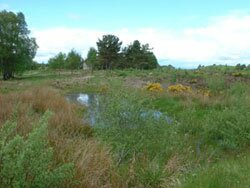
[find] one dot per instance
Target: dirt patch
(135, 82)
(71, 82)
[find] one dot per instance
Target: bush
(179, 88)
(154, 87)
(28, 162)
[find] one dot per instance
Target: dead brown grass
(71, 140)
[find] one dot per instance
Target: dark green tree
(74, 60)
(240, 67)
(108, 51)
(57, 62)
(17, 49)
(139, 56)
(92, 59)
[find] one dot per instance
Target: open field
(206, 143)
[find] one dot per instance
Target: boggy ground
(205, 146)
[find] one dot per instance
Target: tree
(139, 56)
(73, 60)
(57, 62)
(92, 59)
(108, 50)
(17, 49)
(240, 67)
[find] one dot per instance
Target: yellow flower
(205, 92)
(154, 87)
(179, 88)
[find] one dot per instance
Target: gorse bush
(154, 87)
(28, 162)
(179, 88)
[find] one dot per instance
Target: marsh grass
(70, 139)
(125, 149)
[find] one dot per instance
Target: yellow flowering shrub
(193, 81)
(103, 88)
(205, 92)
(154, 87)
(179, 88)
(238, 74)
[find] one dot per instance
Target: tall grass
(142, 143)
(70, 139)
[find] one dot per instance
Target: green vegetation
(204, 145)
(71, 61)
(17, 49)
(155, 127)
(27, 163)
(109, 55)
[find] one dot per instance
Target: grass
(229, 173)
(70, 139)
(200, 148)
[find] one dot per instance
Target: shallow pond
(88, 100)
(92, 102)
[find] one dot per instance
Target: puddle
(91, 101)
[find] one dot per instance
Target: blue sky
(189, 32)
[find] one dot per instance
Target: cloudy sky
(184, 33)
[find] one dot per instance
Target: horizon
(184, 33)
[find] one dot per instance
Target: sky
(184, 33)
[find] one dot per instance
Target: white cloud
(224, 39)
(54, 40)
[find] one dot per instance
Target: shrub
(179, 88)
(29, 162)
(238, 74)
(205, 92)
(154, 87)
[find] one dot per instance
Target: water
(91, 101)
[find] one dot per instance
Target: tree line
(108, 55)
(18, 49)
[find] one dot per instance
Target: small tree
(139, 56)
(17, 49)
(73, 60)
(57, 62)
(108, 50)
(92, 59)
(240, 67)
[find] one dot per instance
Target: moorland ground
(206, 144)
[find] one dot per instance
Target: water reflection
(91, 101)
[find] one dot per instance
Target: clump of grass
(227, 173)
(70, 139)
(136, 135)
